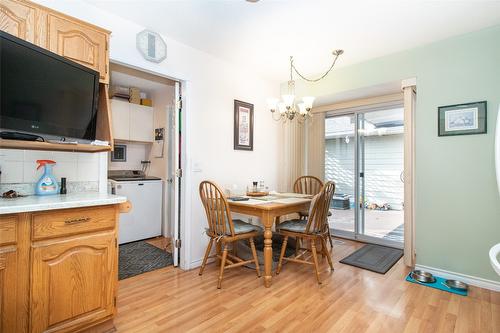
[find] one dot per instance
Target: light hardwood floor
(349, 300)
(164, 243)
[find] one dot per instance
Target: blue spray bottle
(48, 183)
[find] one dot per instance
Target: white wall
(211, 86)
(136, 152)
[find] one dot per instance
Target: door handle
(140, 184)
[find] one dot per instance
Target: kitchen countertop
(35, 203)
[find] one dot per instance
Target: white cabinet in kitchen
(132, 122)
(121, 119)
(141, 123)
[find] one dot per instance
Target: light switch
(197, 167)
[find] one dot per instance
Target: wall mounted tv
(45, 94)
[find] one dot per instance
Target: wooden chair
(313, 230)
(224, 230)
(310, 185)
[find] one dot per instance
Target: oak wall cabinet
(18, 19)
(81, 43)
(71, 38)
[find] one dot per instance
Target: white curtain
(409, 95)
(315, 147)
(292, 155)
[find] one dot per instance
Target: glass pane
(381, 148)
(340, 144)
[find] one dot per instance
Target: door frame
(181, 229)
(354, 110)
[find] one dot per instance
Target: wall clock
(151, 46)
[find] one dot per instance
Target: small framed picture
(243, 125)
(462, 119)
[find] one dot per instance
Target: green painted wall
(457, 203)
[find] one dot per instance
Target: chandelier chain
(337, 54)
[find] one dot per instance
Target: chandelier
(287, 108)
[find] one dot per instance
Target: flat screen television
(45, 94)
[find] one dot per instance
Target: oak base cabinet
(8, 273)
(58, 269)
(14, 275)
(72, 282)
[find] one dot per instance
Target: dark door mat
(139, 257)
(375, 258)
(245, 253)
(277, 244)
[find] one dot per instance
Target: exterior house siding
(383, 168)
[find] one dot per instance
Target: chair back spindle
(307, 185)
(219, 218)
(318, 218)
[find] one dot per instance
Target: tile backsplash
(19, 166)
(29, 188)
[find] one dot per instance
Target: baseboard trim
(197, 263)
(471, 280)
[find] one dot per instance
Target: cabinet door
(80, 43)
(18, 19)
(121, 119)
(141, 123)
(73, 282)
(8, 287)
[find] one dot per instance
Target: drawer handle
(78, 220)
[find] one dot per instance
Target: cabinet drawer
(8, 227)
(66, 222)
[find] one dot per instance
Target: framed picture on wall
(462, 119)
(243, 125)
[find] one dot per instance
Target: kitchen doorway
(153, 152)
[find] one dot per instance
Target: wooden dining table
(269, 212)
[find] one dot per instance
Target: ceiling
(261, 36)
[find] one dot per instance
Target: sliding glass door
(340, 167)
(364, 157)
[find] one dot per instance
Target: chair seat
(293, 225)
(305, 213)
(241, 227)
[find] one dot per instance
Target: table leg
(268, 249)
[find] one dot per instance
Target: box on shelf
(135, 96)
(146, 102)
(119, 91)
